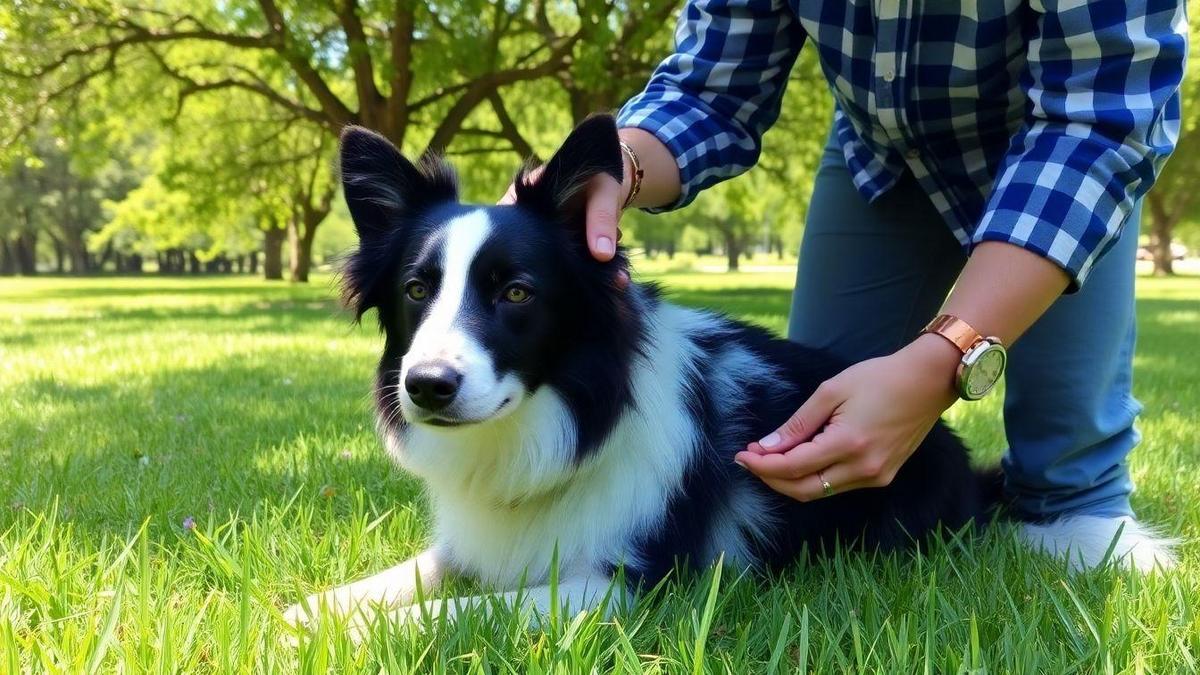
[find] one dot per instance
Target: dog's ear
(384, 191)
(591, 149)
(381, 186)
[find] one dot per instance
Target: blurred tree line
(201, 136)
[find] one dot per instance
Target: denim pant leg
(871, 275)
(1069, 410)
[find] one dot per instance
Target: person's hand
(860, 426)
(605, 196)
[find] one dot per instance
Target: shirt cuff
(1066, 214)
(705, 152)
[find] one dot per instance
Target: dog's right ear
(382, 187)
(384, 192)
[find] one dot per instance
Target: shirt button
(889, 76)
(912, 154)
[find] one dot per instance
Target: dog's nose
(432, 385)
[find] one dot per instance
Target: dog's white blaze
(441, 335)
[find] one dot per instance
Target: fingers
(800, 461)
(844, 460)
(510, 196)
(802, 425)
(808, 488)
(603, 209)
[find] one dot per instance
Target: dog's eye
(416, 290)
(517, 294)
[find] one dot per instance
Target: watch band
(958, 332)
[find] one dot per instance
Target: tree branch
(479, 89)
(335, 109)
(360, 56)
(191, 87)
(509, 131)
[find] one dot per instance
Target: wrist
(936, 358)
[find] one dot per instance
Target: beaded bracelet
(635, 185)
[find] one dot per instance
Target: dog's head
(484, 305)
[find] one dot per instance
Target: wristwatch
(983, 358)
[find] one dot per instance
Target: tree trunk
(193, 262)
(254, 262)
(25, 252)
(78, 253)
(299, 250)
(104, 258)
(60, 258)
(733, 251)
(8, 262)
(1161, 230)
(273, 253)
(301, 242)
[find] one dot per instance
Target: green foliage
(134, 404)
(247, 95)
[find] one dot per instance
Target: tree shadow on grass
(285, 317)
(214, 286)
(174, 443)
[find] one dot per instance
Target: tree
(328, 64)
(57, 190)
(468, 52)
(1172, 201)
(20, 192)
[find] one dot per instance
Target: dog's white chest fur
(509, 494)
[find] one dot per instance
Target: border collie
(556, 414)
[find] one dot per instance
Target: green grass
(130, 405)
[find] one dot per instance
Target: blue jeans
(872, 275)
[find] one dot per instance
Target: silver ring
(825, 484)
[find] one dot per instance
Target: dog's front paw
(306, 613)
(301, 613)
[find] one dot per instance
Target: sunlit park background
(186, 443)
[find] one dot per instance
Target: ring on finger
(825, 485)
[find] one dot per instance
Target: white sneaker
(1085, 540)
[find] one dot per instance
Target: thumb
(603, 209)
(802, 425)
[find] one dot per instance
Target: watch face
(985, 372)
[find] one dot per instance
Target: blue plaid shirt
(1035, 122)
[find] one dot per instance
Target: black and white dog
(556, 414)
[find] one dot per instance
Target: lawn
(179, 459)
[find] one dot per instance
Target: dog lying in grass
(561, 418)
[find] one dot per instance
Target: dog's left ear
(591, 149)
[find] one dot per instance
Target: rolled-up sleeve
(1102, 79)
(711, 101)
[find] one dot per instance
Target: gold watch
(983, 358)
